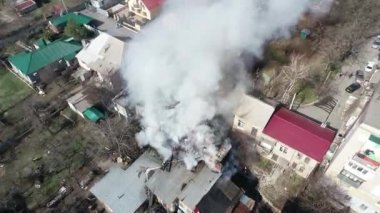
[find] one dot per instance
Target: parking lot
(334, 109)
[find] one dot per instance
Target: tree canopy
(76, 30)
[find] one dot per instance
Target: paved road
(339, 103)
(108, 25)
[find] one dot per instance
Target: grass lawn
(12, 89)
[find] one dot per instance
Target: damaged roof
(189, 187)
(124, 190)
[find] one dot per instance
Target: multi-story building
(138, 13)
(283, 136)
(355, 167)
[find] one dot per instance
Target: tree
(48, 34)
(292, 73)
(319, 196)
(121, 136)
(76, 30)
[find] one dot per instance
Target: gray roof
(83, 98)
(123, 190)
(372, 116)
(189, 187)
(254, 111)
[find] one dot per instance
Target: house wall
(185, 208)
(84, 65)
(22, 75)
(75, 109)
(364, 197)
(141, 11)
(246, 127)
(288, 157)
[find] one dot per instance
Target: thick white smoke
(185, 67)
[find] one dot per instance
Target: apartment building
(355, 167)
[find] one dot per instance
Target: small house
(58, 24)
(138, 13)
(43, 64)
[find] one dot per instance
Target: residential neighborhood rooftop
(300, 133)
(153, 4)
(77, 17)
(104, 54)
(372, 114)
(189, 187)
(254, 110)
(223, 197)
(24, 5)
(30, 62)
(124, 190)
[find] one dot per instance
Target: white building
(104, 55)
(356, 165)
(252, 115)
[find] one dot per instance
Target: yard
(12, 90)
(287, 185)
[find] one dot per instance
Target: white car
(370, 66)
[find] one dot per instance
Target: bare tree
(292, 73)
(121, 136)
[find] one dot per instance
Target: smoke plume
(185, 68)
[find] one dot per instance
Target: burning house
(174, 186)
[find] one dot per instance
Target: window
(365, 171)
(283, 149)
(301, 169)
(299, 156)
(360, 169)
(294, 165)
(241, 124)
(307, 160)
(347, 197)
(253, 131)
(363, 207)
(274, 157)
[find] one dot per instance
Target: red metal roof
(153, 4)
(24, 5)
(300, 133)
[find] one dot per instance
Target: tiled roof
(300, 133)
(31, 62)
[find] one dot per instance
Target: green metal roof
(41, 42)
(31, 62)
(93, 114)
(78, 18)
(374, 139)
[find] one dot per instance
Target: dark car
(353, 87)
(359, 76)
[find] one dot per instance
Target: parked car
(359, 76)
(376, 42)
(370, 66)
(353, 87)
